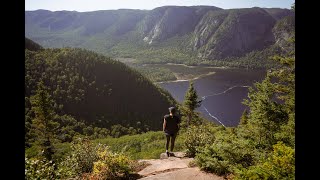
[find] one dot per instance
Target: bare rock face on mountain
(168, 21)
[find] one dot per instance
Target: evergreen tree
(244, 117)
(293, 6)
(43, 124)
(272, 106)
(190, 103)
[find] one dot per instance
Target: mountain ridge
(195, 32)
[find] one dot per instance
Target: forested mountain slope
(94, 89)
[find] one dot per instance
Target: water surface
(222, 93)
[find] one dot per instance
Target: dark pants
(173, 138)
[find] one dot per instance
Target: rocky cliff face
(234, 32)
(168, 21)
(283, 31)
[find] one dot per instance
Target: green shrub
(225, 154)
(213, 163)
(82, 157)
(279, 165)
(39, 169)
(196, 137)
(111, 165)
(62, 151)
(33, 151)
(88, 161)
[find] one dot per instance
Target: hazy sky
(92, 5)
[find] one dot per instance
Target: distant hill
(164, 34)
(32, 46)
(95, 89)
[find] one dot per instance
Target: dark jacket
(171, 124)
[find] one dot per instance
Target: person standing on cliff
(171, 126)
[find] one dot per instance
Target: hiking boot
(168, 154)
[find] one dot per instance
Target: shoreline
(179, 79)
(184, 65)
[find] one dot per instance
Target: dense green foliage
(107, 157)
(225, 154)
(112, 165)
(148, 145)
(171, 72)
(257, 59)
(39, 169)
(75, 93)
(83, 155)
(140, 146)
(279, 165)
(156, 74)
(198, 137)
(87, 161)
(88, 89)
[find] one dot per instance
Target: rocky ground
(175, 167)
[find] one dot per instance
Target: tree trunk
(189, 119)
